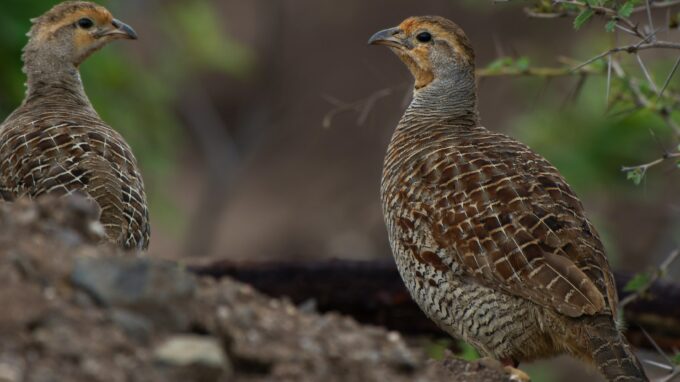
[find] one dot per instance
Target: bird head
(73, 30)
(432, 47)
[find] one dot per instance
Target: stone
(201, 357)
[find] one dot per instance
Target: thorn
(670, 76)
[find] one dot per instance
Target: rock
(201, 357)
(121, 281)
(21, 307)
(10, 372)
(151, 288)
(134, 325)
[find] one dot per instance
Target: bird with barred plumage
(491, 241)
(56, 143)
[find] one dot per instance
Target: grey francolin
(489, 238)
(56, 143)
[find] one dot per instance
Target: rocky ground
(75, 311)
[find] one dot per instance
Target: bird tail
(611, 352)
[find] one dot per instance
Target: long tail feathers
(612, 354)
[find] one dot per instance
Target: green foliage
(627, 9)
(437, 349)
(588, 146)
(637, 282)
(610, 26)
(467, 352)
(636, 175)
(504, 63)
(204, 45)
(584, 10)
(583, 17)
(676, 359)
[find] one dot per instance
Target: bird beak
(120, 30)
(387, 37)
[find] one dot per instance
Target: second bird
(489, 238)
(56, 143)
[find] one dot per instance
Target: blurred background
(261, 126)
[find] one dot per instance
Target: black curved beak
(121, 30)
(387, 37)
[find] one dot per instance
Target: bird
(56, 143)
(489, 238)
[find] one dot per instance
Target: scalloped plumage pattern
(53, 145)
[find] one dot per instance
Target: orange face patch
(418, 62)
(442, 29)
(48, 27)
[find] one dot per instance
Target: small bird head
(431, 47)
(73, 30)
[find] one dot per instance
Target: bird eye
(424, 37)
(85, 23)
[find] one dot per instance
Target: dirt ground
(75, 311)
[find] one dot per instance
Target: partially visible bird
(55, 142)
(489, 238)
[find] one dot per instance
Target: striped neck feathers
(51, 74)
(450, 99)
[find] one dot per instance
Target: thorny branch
(641, 170)
(662, 102)
(614, 15)
(659, 272)
(362, 107)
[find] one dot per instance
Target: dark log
(372, 292)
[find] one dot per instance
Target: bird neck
(449, 100)
(50, 75)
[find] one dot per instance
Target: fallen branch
(373, 293)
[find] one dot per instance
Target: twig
(649, 17)
(657, 347)
(643, 102)
(544, 72)
(634, 48)
(609, 12)
(647, 74)
(664, 4)
(362, 106)
(629, 31)
(609, 78)
(658, 273)
(670, 76)
(670, 366)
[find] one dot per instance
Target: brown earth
(75, 311)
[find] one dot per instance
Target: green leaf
(636, 175)
(676, 359)
(627, 9)
(437, 349)
(499, 64)
(637, 282)
(610, 26)
(674, 21)
(467, 352)
(583, 17)
(522, 63)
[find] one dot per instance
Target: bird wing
(509, 221)
(56, 153)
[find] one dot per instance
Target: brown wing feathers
(504, 226)
(40, 154)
